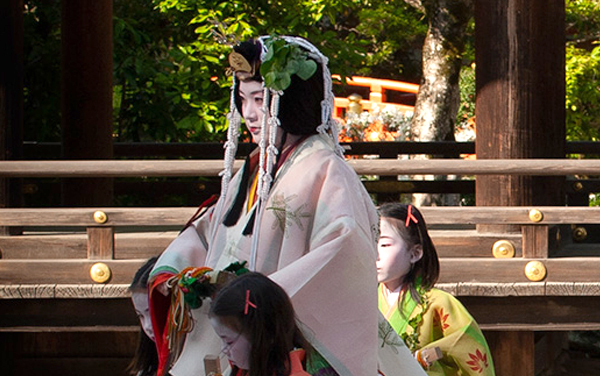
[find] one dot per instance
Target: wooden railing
(383, 167)
(58, 247)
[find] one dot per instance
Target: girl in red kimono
(256, 322)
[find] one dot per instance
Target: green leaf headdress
(283, 60)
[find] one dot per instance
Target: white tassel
(233, 133)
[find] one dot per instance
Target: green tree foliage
(164, 90)
(196, 52)
(169, 69)
(344, 31)
(170, 81)
(583, 70)
(395, 31)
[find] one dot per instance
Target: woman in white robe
(302, 217)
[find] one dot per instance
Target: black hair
(300, 104)
(426, 271)
(145, 360)
(140, 278)
(270, 326)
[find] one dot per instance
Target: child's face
(395, 257)
(235, 345)
(142, 309)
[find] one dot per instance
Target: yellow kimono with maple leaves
(448, 325)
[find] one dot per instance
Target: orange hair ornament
(248, 303)
(410, 217)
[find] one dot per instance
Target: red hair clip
(248, 303)
(410, 216)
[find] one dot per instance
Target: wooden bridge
(66, 273)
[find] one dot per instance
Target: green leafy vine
(412, 339)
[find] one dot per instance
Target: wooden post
(535, 241)
(11, 98)
(86, 99)
(100, 243)
(520, 70)
(513, 352)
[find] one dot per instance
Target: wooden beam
(63, 271)
(528, 313)
(567, 270)
(48, 246)
(117, 168)
(65, 291)
(176, 216)
(85, 216)
(139, 245)
(571, 269)
(60, 245)
(383, 167)
(67, 313)
(470, 243)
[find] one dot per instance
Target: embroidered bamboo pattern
(283, 213)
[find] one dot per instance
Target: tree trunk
(439, 94)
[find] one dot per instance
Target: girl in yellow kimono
(423, 316)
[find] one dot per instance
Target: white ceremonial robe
(318, 240)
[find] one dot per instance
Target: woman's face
(235, 345)
(142, 309)
(395, 257)
(251, 95)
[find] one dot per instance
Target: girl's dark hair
(145, 360)
(140, 278)
(427, 270)
(300, 104)
(271, 327)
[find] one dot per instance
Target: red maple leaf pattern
(478, 361)
(443, 317)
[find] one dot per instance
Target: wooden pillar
(8, 344)
(86, 95)
(11, 97)
(520, 110)
(513, 352)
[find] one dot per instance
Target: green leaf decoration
(282, 82)
(307, 69)
(283, 60)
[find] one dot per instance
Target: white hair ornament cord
(263, 177)
(233, 132)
